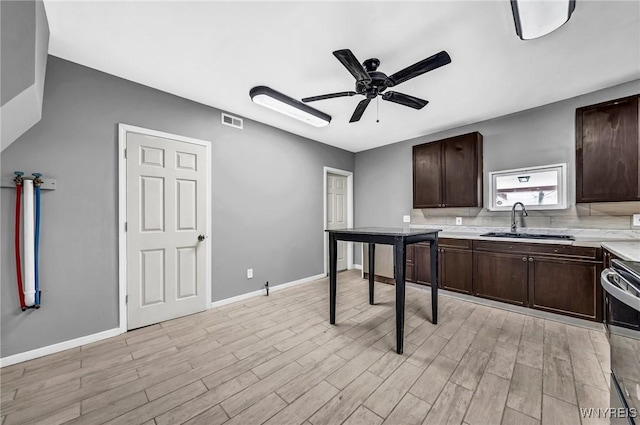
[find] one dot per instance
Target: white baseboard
(357, 266)
(56, 348)
(260, 292)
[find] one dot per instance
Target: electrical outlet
(458, 221)
(406, 219)
(249, 273)
(636, 220)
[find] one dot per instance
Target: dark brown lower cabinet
(500, 277)
(562, 279)
(422, 264)
(565, 286)
(456, 269)
(409, 270)
(455, 261)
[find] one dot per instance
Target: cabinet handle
(531, 259)
(524, 258)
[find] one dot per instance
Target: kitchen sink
(528, 235)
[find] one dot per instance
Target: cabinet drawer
(455, 243)
(547, 249)
(447, 243)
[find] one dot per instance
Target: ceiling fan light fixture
(535, 18)
(286, 105)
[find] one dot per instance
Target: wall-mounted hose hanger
(28, 207)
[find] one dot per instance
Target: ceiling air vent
(231, 121)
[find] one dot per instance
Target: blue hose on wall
(37, 182)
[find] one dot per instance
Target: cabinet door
(500, 277)
(462, 182)
(422, 264)
(409, 269)
(569, 287)
(607, 151)
(427, 175)
(456, 270)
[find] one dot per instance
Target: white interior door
(337, 212)
(166, 204)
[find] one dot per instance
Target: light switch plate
(636, 220)
(249, 273)
(406, 219)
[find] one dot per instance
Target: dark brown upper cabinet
(448, 172)
(607, 151)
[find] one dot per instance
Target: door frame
(349, 176)
(123, 130)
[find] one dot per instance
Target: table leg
(333, 272)
(372, 261)
(434, 280)
(399, 256)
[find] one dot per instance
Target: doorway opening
(338, 213)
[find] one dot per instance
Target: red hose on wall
(18, 181)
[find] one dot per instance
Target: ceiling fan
(371, 83)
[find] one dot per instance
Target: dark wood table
(399, 238)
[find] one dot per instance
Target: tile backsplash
(605, 215)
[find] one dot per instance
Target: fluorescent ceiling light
(535, 18)
(279, 102)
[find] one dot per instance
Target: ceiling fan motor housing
(379, 83)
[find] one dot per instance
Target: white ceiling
(214, 52)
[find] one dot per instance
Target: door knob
(201, 238)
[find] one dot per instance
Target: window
(538, 188)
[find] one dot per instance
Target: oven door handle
(617, 292)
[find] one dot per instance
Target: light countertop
(625, 250)
(624, 243)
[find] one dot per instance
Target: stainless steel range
(622, 285)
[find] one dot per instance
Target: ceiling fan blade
(357, 114)
(352, 64)
(328, 96)
(405, 99)
(425, 65)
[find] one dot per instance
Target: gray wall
(266, 196)
(540, 136)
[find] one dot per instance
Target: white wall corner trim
(56, 348)
(261, 292)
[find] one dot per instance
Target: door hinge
(125, 153)
(125, 226)
(126, 299)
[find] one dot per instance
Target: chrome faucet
(513, 215)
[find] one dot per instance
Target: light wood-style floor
(276, 360)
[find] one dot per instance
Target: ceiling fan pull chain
(377, 109)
